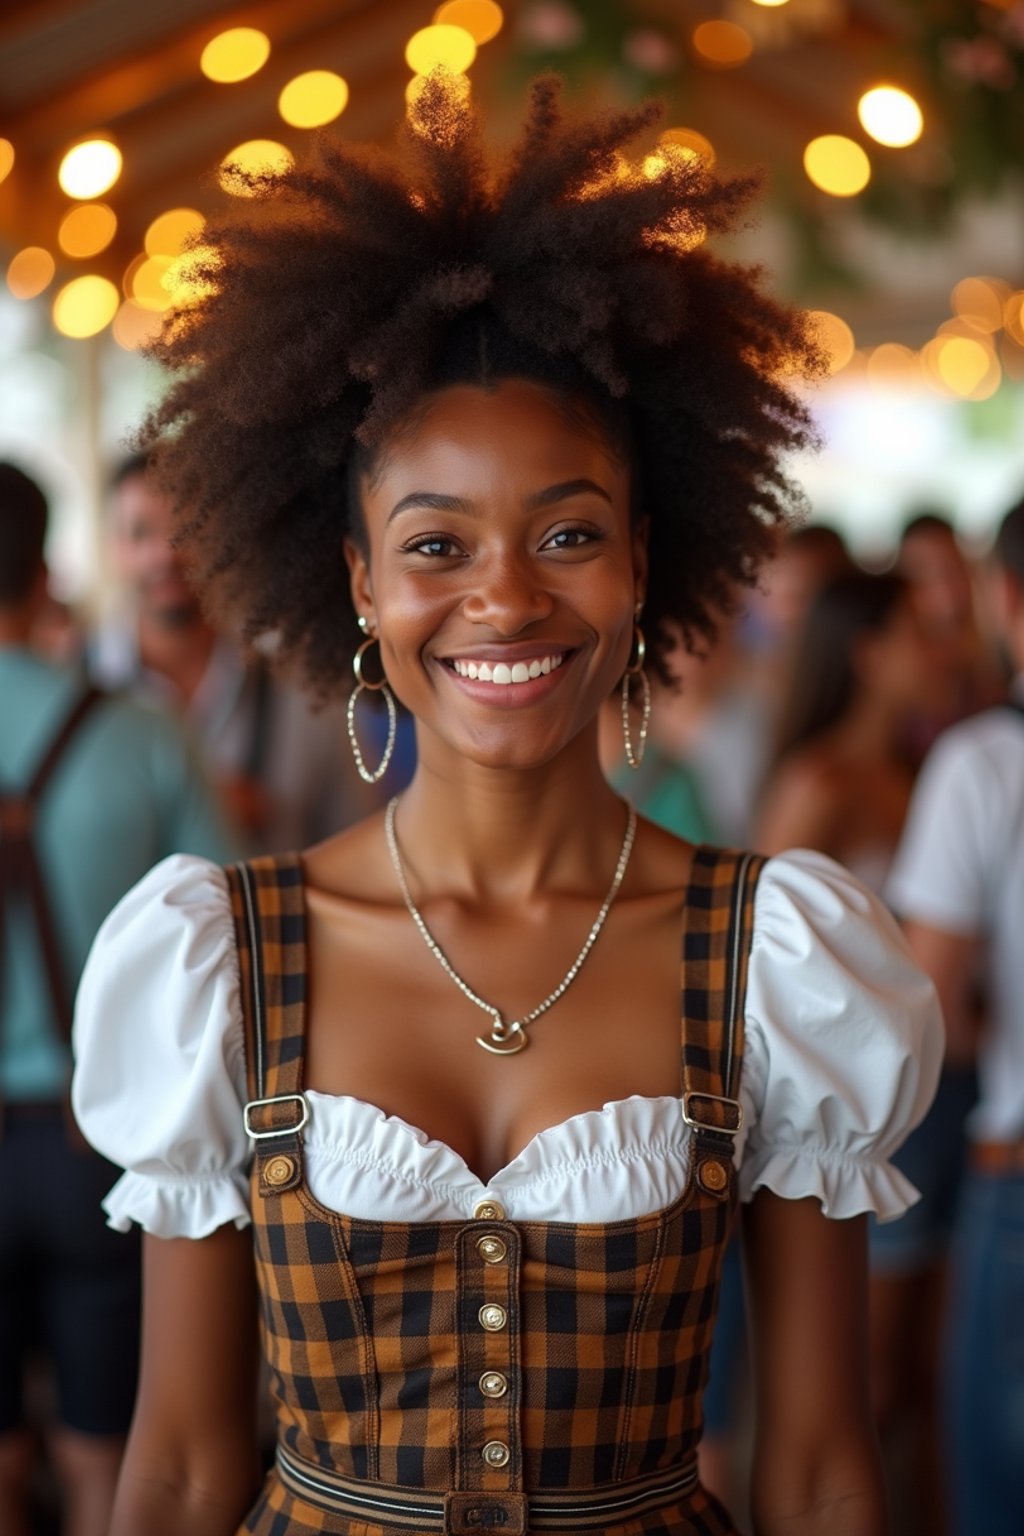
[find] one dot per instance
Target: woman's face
(502, 571)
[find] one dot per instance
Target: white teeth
(502, 674)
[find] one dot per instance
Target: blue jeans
(985, 1411)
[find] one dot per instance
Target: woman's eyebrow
(433, 501)
(564, 490)
(437, 501)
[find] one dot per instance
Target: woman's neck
(490, 834)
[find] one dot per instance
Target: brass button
(493, 1384)
(489, 1210)
(713, 1175)
(279, 1170)
(492, 1317)
(492, 1249)
(496, 1453)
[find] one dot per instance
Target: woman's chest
(389, 1026)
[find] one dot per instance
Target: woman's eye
(435, 544)
(570, 538)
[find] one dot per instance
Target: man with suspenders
(94, 789)
(958, 883)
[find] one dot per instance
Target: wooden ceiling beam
(170, 65)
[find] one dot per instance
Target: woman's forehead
(526, 428)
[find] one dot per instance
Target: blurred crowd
(155, 732)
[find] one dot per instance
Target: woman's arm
(191, 1462)
(816, 1465)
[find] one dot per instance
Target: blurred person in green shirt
(94, 790)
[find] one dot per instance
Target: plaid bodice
(489, 1375)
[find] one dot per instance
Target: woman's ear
(359, 582)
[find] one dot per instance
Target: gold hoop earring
(368, 776)
(635, 752)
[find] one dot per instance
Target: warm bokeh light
(85, 306)
(312, 99)
(458, 86)
(450, 47)
(1013, 317)
(723, 43)
(134, 326)
(834, 336)
(482, 19)
(188, 278)
(87, 230)
(30, 271)
(690, 139)
(965, 366)
(235, 55)
(167, 234)
(981, 302)
(147, 285)
(893, 364)
(256, 157)
(837, 165)
(89, 169)
(891, 116)
(1011, 355)
(6, 158)
(771, 4)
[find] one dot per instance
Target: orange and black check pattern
(375, 1331)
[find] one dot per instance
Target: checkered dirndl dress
(482, 1376)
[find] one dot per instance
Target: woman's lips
(517, 682)
(502, 674)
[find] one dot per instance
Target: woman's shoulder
(352, 863)
(843, 1040)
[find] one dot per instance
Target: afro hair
(348, 288)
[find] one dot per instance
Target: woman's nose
(508, 594)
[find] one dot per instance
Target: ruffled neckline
(636, 1130)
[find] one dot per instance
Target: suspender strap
(20, 870)
(270, 931)
(21, 874)
(717, 930)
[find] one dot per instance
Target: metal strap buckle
(280, 1130)
(689, 1101)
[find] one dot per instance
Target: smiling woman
(515, 428)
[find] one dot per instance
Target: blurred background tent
(891, 133)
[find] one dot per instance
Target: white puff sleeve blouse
(842, 1055)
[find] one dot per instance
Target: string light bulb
(167, 234)
(90, 168)
(312, 99)
(449, 47)
(723, 44)
(87, 230)
(837, 165)
(235, 55)
(256, 157)
(891, 116)
(834, 337)
(482, 19)
(85, 306)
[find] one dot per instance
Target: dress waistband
(468, 1513)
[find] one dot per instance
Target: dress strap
(268, 906)
(718, 924)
